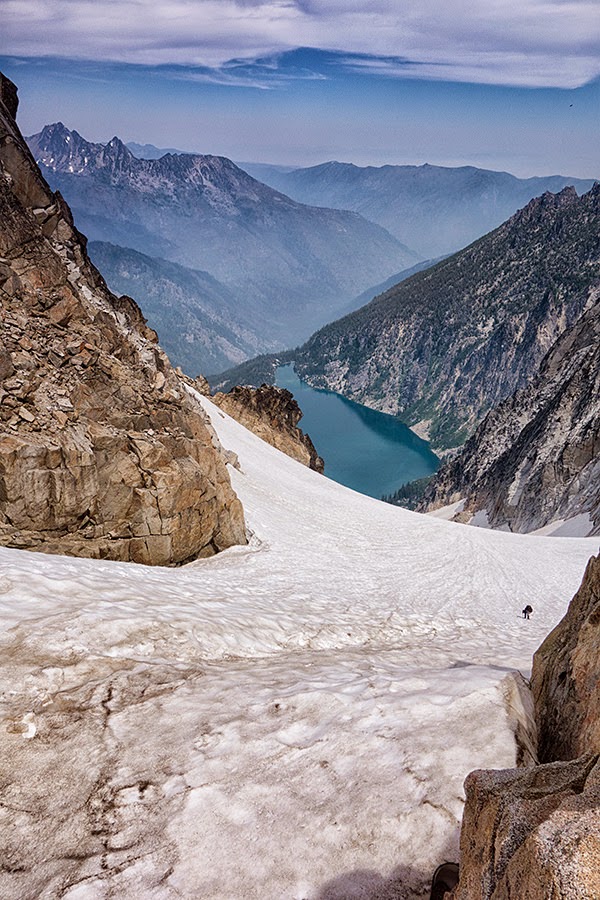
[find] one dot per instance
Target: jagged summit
(56, 131)
(292, 266)
(548, 202)
(57, 146)
(61, 150)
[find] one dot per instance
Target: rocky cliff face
(536, 833)
(443, 347)
(566, 677)
(535, 459)
(102, 451)
(532, 833)
(272, 414)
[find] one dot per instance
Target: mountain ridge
(464, 202)
(447, 344)
(293, 264)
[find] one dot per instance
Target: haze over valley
(290, 266)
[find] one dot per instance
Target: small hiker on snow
(527, 611)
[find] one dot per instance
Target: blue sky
(500, 84)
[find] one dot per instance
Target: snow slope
(291, 719)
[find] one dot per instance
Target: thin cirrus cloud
(528, 43)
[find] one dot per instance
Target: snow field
(291, 719)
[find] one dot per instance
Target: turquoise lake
(366, 450)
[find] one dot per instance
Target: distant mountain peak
(204, 212)
(61, 149)
(118, 151)
(55, 129)
(117, 143)
(150, 151)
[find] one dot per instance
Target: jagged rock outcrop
(535, 834)
(446, 345)
(273, 414)
(103, 452)
(566, 677)
(535, 459)
(532, 833)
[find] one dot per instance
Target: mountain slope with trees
(443, 347)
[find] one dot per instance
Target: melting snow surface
(291, 719)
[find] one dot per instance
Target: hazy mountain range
(434, 209)
(506, 301)
(292, 266)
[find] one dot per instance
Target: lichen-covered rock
(103, 450)
(273, 414)
(532, 834)
(566, 677)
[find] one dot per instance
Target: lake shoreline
(369, 451)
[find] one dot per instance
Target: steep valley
(444, 346)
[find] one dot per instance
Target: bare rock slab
(566, 676)
(532, 834)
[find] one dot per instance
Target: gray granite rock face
(566, 677)
(535, 459)
(532, 833)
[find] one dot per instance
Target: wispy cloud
(530, 43)
(263, 74)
